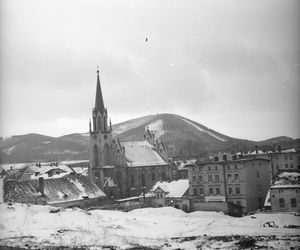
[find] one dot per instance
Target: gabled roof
(142, 153)
(174, 189)
(73, 187)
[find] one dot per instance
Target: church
(123, 168)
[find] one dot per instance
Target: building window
(235, 166)
(201, 191)
(293, 202)
(230, 190)
(257, 175)
(218, 191)
(281, 202)
(228, 177)
(286, 165)
(194, 178)
(195, 191)
(291, 157)
(132, 181)
(292, 165)
(211, 191)
(210, 178)
(277, 166)
(216, 178)
(285, 158)
(236, 177)
(153, 176)
(208, 168)
(216, 167)
(228, 167)
(200, 178)
(237, 190)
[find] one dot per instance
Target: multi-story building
(284, 193)
(244, 182)
(285, 161)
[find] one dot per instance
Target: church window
(132, 181)
(106, 157)
(96, 156)
(153, 176)
(143, 181)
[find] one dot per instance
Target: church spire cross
(99, 104)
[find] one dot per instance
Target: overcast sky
(233, 66)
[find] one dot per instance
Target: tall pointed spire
(99, 105)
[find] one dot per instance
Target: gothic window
(95, 156)
(153, 176)
(105, 154)
(143, 181)
(132, 181)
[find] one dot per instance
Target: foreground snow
(168, 228)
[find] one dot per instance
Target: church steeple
(99, 104)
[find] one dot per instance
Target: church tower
(100, 139)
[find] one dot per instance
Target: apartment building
(244, 182)
(285, 161)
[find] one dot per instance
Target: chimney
(256, 149)
(41, 185)
(224, 157)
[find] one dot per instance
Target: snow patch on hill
(205, 131)
(123, 127)
(156, 128)
(9, 150)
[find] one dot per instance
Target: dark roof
(99, 104)
(73, 187)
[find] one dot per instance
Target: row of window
(211, 168)
(216, 191)
(217, 178)
(293, 202)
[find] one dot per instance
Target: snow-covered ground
(156, 228)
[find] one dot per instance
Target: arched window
(106, 158)
(95, 156)
(143, 181)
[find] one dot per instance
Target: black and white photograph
(148, 125)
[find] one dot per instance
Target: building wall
(146, 176)
(283, 162)
(235, 180)
(198, 205)
(257, 182)
(286, 194)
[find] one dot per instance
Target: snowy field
(32, 226)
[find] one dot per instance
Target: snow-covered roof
(182, 164)
(141, 153)
(268, 200)
(175, 189)
(73, 187)
(259, 152)
(290, 150)
(286, 180)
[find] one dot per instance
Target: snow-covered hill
(156, 228)
(183, 137)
